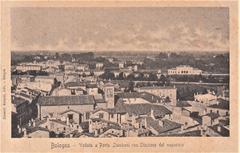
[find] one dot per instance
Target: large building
(28, 67)
(184, 70)
(56, 106)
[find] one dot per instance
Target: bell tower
(109, 95)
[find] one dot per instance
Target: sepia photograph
(120, 72)
(119, 76)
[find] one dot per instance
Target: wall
(45, 110)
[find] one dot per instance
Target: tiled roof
(24, 95)
(144, 95)
(66, 100)
(91, 86)
(99, 98)
(74, 84)
(142, 109)
(18, 101)
(183, 104)
(44, 77)
(222, 104)
(194, 133)
(167, 125)
(224, 132)
(34, 129)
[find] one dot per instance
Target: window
(101, 115)
(112, 115)
(87, 115)
(73, 92)
(70, 116)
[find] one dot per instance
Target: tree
(121, 76)
(152, 77)
(162, 80)
(131, 86)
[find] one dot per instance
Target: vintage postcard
(119, 76)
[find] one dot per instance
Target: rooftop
(66, 100)
(91, 86)
(18, 101)
(167, 125)
(183, 104)
(74, 84)
(144, 95)
(222, 104)
(142, 109)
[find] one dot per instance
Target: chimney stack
(95, 133)
(24, 132)
(19, 129)
(219, 128)
(152, 113)
(67, 121)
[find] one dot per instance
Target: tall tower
(109, 95)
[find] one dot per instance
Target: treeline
(215, 63)
(165, 78)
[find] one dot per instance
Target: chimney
(90, 126)
(145, 122)
(79, 129)
(152, 113)
(95, 133)
(29, 123)
(67, 121)
(201, 131)
(24, 132)
(19, 129)
(219, 128)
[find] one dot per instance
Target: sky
(120, 29)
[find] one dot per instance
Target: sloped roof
(74, 84)
(142, 109)
(144, 95)
(183, 104)
(222, 104)
(66, 100)
(91, 86)
(167, 125)
(18, 101)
